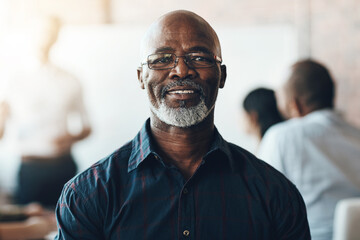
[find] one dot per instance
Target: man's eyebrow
(192, 49)
(164, 49)
(200, 49)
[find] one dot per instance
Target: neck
(43, 58)
(183, 147)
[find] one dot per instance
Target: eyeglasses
(159, 61)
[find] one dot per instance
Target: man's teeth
(182, 91)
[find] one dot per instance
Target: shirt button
(185, 191)
(186, 233)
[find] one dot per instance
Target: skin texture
(182, 32)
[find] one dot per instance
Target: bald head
(182, 24)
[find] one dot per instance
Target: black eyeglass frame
(216, 58)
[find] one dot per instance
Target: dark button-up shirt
(133, 194)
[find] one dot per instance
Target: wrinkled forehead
(180, 31)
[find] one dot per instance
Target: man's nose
(182, 69)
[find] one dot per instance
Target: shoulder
(266, 183)
(318, 124)
(287, 127)
(273, 191)
(284, 133)
(258, 170)
(99, 175)
(83, 205)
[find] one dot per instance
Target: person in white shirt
(316, 149)
(39, 102)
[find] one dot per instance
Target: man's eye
(162, 60)
(201, 59)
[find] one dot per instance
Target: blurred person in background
(316, 149)
(44, 103)
(260, 112)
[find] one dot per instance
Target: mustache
(183, 82)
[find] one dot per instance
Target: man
(317, 150)
(39, 103)
(178, 179)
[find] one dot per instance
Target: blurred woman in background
(260, 112)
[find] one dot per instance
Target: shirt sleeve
(75, 216)
(291, 217)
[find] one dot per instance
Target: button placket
(186, 208)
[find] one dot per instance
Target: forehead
(181, 34)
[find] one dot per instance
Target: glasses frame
(216, 58)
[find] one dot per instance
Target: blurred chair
(347, 220)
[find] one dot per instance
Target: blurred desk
(26, 222)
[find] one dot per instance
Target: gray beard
(182, 116)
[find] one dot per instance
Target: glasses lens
(161, 60)
(200, 59)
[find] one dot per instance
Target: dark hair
(311, 82)
(262, 101)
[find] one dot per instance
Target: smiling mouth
(184, 95)
(182, 91)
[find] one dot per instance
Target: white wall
(105, 58)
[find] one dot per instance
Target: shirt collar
(143, 146)
(218, 144)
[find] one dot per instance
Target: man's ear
(140, 78)
(223, 76)
(296, 108)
